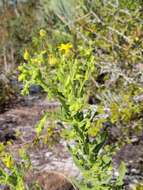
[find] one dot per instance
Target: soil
(50, 181)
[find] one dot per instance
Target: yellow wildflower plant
(65, 48)
(26, 55)
(42, 33)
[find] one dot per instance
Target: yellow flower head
(65, 47)
(136, 39)
(8, 161)
(52, 60)
(42, 33)
(26, 55)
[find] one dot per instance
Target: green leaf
(41, 123)
(122, 172)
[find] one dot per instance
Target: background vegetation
(97, 46)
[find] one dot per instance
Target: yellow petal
(26, 55)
